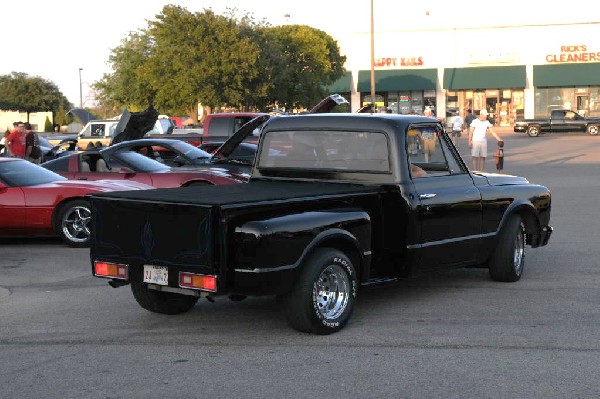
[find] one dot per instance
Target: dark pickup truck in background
(561, 120)
(334, 202)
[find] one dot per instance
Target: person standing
(3, 149)
(33, 152)
(15, 142)
(457, 127)
(478, 141)
(500, 157)
(428, 136)
(468, 119)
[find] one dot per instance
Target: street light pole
(372, 58)
(80, 90)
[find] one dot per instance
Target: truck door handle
(426, 196)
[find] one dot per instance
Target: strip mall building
(514, 72)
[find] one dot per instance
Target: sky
(54, 39)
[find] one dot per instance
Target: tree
(128, 84)
(180, 60)
(21, 92)
(48, 125)
(306, 61)
(184, 58)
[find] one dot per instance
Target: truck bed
(178, 227)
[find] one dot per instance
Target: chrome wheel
(331, 292)
(75, 224)
(593, 130)
(533, 131)
(323, 297)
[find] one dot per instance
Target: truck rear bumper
(520, 129)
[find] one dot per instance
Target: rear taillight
(111, 270)
(198, 281)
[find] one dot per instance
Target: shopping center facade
(519, 71)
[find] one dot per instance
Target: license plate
(156, 275)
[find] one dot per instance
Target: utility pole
(372, 59)
(81, 90)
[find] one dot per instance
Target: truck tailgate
(146, 232)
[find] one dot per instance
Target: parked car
(131, 165)
(49, 151)
(179, 154)
(37, 202)
(561, 120)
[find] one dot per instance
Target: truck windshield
(348, 151)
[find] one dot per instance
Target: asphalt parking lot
(456, 334)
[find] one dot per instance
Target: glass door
(583, 104)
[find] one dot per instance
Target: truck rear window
(347, 151)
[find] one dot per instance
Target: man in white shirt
(457, 127)
(477, 140)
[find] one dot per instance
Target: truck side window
(426, 150)
(97, 130)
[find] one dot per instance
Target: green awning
(566, 75)
(398, 80)
(342, 85)
(497, 77)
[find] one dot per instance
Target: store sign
(578, 53)
(401, 61)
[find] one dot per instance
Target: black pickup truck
(335, 202)
(561, 120)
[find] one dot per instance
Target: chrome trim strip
(449, 241)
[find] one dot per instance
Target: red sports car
(37, 202)
(130, 165)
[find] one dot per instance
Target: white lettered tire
(322, 300)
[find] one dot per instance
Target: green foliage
(307, 60)
(184, 58)
(60, 116)
(48, 125)
(21, 92)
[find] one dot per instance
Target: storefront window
(452, 104)
(416, 102)
(478, 101)
(594, 101)
(429, 101)
(378, 100)
(392, 102)
(548, 99)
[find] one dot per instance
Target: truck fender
(528, 214)
(300, 234)
(345, 242)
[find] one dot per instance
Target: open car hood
(240, 135)
(134, 125)
(328, 104)
(82, 115)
